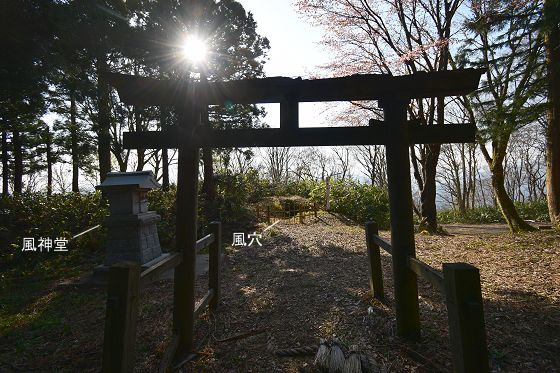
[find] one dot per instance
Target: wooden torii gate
(393, 94)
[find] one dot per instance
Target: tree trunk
(552, 43)
(461, 205)
(428, 192)
(164, 155)
(514, 221)
(74, 143)
(122, 164)
(104, 120)
(209, 186)
(18, 162)
(427, 183)
(49, 161)
(5, 159)
(165, 169)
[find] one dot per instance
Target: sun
(194, 49)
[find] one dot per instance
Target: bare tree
(304, 166)
(240, 161)
(277, 162)
(343, 162)
(156, 163)
(457, 175)
(374, 165)
(33, 184)
(60, 179)
(325, 164)
(525, 166)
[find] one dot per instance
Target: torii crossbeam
(393, 94)
(289, 92)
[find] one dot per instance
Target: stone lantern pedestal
(131, 229)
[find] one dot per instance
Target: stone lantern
(131, 229)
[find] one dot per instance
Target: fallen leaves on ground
(310, 281)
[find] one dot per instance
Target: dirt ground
(308, 282)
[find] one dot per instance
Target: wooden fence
(297, 215)
(123, 289)
(459, 283)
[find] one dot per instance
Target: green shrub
(479, 215)
(234, 192)
(57, 216)
(61, 215)
(163, 202)
(536, 210)
(302, 188)
(357, 201)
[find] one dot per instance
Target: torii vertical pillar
(402, 225)
(186, 230)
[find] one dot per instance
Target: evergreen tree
(72, 85)
(27, 34)
(506, 42)
(235, 51)
(100, 28)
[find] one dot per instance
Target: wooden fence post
(315, 208)
(214, 264)
(375, 270)
(120, 317)
(267, 214)
(466, 317)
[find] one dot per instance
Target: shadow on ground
(308, 282)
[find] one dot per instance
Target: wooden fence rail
(123, 290)
(295, 215)
(460, 285)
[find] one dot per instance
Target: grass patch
(33, 309)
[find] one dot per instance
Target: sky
(295, 51)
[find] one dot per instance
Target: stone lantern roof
(144, 180)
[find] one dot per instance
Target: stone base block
(132, 237)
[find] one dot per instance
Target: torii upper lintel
(134, 90)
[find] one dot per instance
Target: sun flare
(194, 49)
